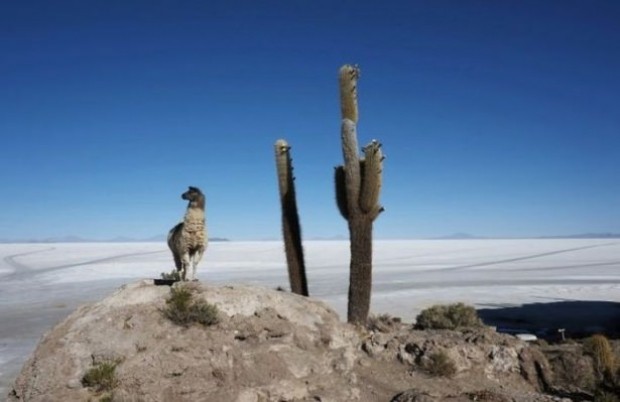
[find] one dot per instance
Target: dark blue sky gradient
(497, 118)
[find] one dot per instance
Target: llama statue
(188, 239)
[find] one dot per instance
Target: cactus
(358, 185)
(291, 228)
(348, 92)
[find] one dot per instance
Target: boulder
(267, 346)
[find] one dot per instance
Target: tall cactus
(358, 185)
(291, 228)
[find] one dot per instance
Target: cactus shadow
(578, 318)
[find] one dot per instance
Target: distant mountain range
(77, 239)
(585, 236)
(464, 236)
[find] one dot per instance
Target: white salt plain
(43, 283)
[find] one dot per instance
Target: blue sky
(497, 118)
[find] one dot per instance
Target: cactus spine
(358, 185)
(291, 228)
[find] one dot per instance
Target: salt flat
(42, 283)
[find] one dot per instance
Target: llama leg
(190, 269)
(197, 257)
(186, 263)
(178, 264)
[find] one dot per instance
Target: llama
(188, 239)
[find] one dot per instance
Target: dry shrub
(174, 275)
(598, 347)
(382, 323)
(183, 309)
(101, 377)
(203, 313)
(439, 364)
(450, 316)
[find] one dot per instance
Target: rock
(502, 360)
(376, 343)
(487, 396)
(407, 355)
(74, 384)
(268, 346)
(535, 368)
(566, 371)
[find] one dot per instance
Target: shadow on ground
(577, 318)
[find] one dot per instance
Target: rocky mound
(267, 346)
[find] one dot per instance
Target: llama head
(195, 197)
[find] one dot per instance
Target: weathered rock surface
(268, 346)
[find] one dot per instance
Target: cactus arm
(371, 179)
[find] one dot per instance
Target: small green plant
(440, 364)
(603, 357)
(203, 313)
(183, 309)
(179, 301)
(101, 377)
(450, 316)
(174, 275)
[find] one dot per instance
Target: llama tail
(173, 237)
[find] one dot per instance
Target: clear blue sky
(498, 118)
